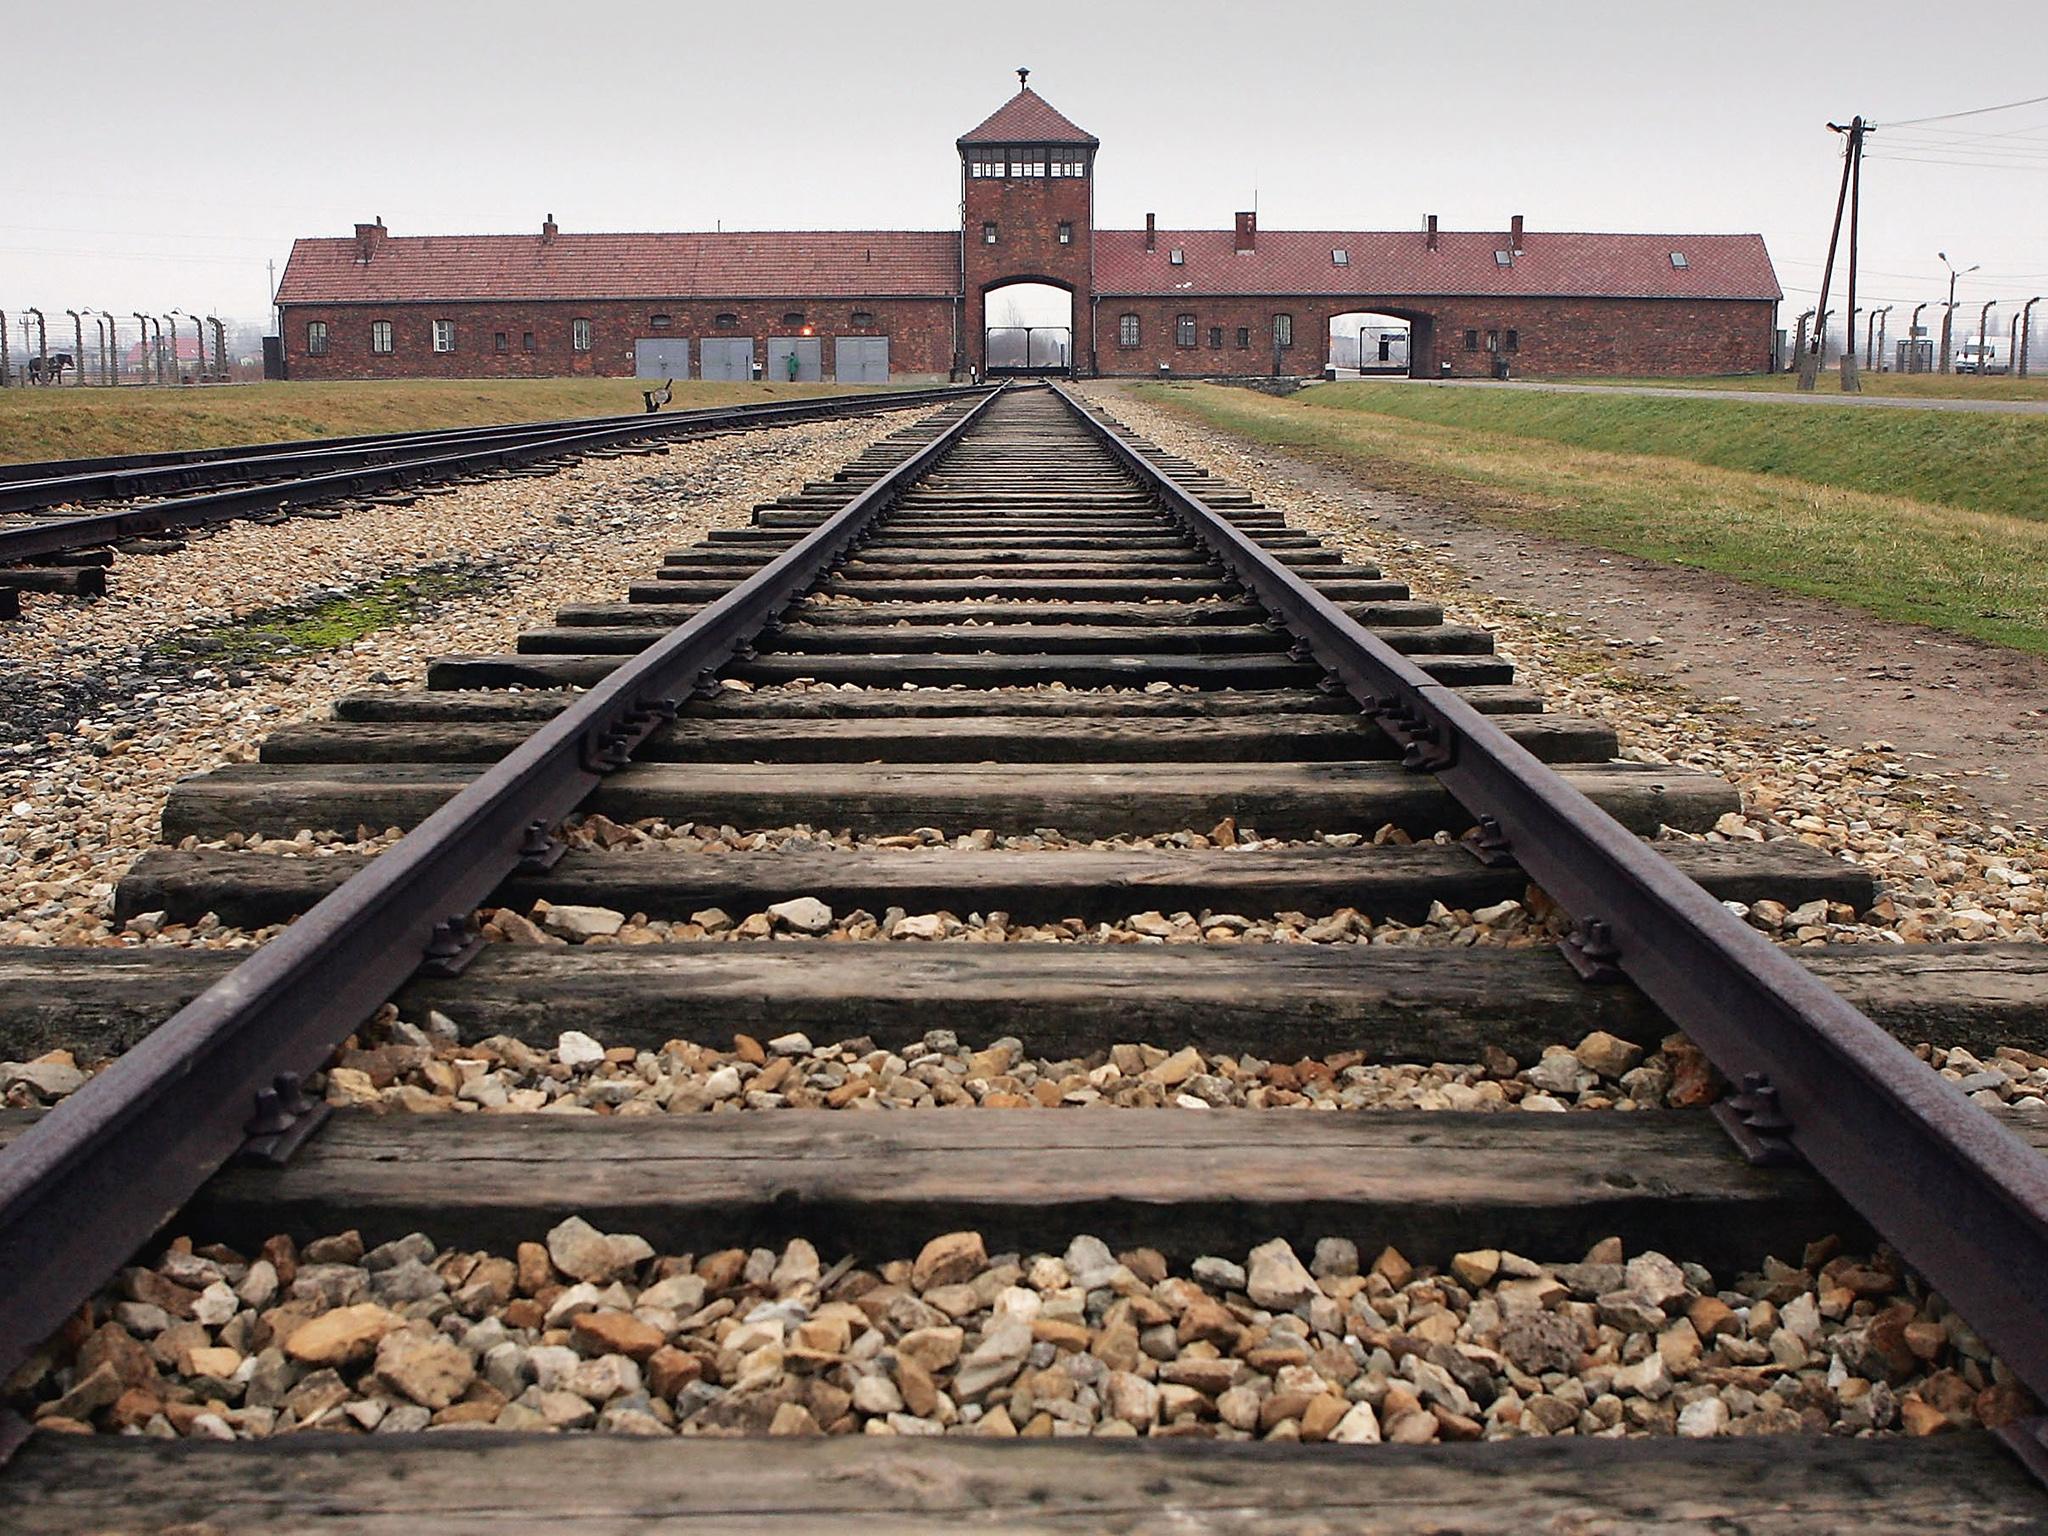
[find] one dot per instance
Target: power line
(1944, 117)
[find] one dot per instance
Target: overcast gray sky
(266, 120)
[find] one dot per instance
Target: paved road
(1790, 397)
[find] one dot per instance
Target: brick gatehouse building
(860, 306)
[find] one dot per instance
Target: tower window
(1027, 161)
(1066, 233)
(1067, 162)
(380, 335)
(1127, 330)
(983, 161)
(988, 233)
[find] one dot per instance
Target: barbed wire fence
(103, 348)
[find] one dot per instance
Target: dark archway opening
(1028, 330)
(1380, 344)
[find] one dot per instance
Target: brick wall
(920, 333)
(1552, 336)
(1027, 213)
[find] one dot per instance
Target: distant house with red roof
(911, 304)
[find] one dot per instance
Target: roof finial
(1023, 79)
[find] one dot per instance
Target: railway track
(57, 535)
(1099, 674)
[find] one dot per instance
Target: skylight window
(1503, 258)
(1340, 257)
(1678, 260)
(1179, 257)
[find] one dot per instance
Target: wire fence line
(81, 348)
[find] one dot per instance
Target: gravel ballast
(592, 1330)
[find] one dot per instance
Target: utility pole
(1857, 131)
(1809, 361)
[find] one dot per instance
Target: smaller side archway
(1380, 344)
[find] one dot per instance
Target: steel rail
(56, 535)
(60, 482)
(1962, 1198)
(90, 1181)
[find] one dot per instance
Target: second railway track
(1095, 671)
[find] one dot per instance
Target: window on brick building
(1183, 330)
(444, 335)
(579, 335)
(1283, 330)
(1027, 160)
(1067, 162)
(863, 317)
(316, 338)
(527, 343)
(501, 342)
(1340, 257)
(1215, 337)
(1127, 330)
(1066, 233)
(1177, 257)
(1514, 342)
(985, 160)
(1493, 341)
(658, 322)
(1244, 338)
(794, 317)
(988, 233)
(727, 321)
(1471, 341)
(380, 335)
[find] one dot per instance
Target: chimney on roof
(548, 230)
(368, 238)
(1151, 232)
(1432, 232)
(1515, 233)
(1247, 232)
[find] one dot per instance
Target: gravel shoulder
(1820, 716)
(83, 785)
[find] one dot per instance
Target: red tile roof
(1395, 262)
(778, 264)
(1027, 118)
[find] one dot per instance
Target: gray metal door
(661, 357)
(809, 352)
(860, 359)
(727, 357)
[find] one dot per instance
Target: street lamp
(1948, 315)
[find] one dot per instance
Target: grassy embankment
(1926, 386)
(65, 423)
(1926, 517)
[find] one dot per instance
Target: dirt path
(1974, 712)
